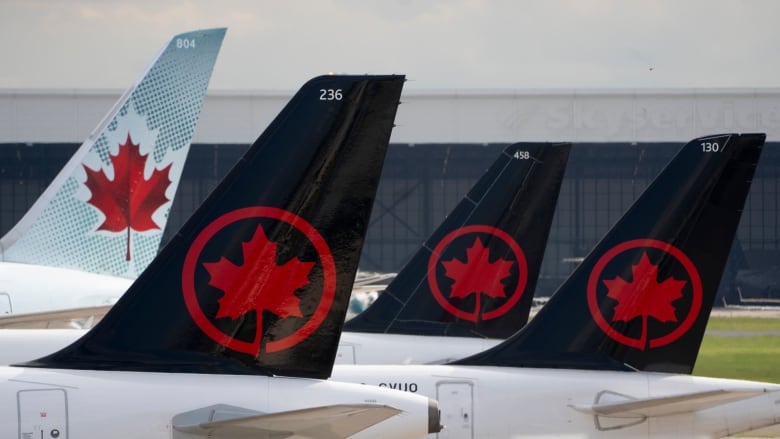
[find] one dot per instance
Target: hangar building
(442, 143)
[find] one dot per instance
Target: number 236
(330, 94)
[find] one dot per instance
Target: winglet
(106, 210)
(642, 297)
(507, 215)
(258, 280)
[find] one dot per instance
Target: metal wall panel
(458, 116)
(422, 182)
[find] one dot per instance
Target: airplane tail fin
(258, 279)
(106, 210)
(476, 274)
(641, 299)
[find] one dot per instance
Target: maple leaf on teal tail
(129, 200)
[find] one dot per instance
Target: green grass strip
(744, 323)
(748, 358)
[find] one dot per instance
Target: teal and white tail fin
(106, 210)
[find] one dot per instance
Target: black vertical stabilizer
(259, 278)
(642, 297)
(476, 275)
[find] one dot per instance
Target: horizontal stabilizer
(336, 421)
(666, 405)
(75, 318)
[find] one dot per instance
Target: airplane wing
(666, 405)
(76, 318)
(329, 422)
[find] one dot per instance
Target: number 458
(522, 155)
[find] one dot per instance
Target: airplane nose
(434, 416)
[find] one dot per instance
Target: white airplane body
(45, 403)
(28, 288)
(20, 345)
(505, 402)
(362, 348)
(483, 401)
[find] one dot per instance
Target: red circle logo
(224, 272)
(643, 294)
(478, 274)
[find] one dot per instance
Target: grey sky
(455, 44)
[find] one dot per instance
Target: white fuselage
(504, 402)
(20, 345)
(369, 348)
(139, 405)
(27, 288)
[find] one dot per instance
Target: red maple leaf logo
(128, 201)
(259, 284)
(477, 275)
(644, 296)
